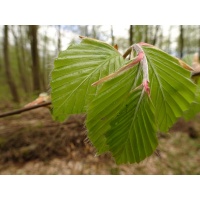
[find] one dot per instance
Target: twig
(195, 73)
(128, 51)
(24, 109)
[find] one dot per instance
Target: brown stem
(195, 73)
(24, 109)
(128, 51)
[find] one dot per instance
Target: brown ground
(32, 143)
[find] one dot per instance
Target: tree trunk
(181, 40)
(9, 77)
(1, 66)
(138, 37)
(160, 45)
(131, 35)
(155, 34)
(169, 41)
(112, 36)
(19, 62)
(35, 57)
(199, 41)
(44, 58)
(24, 56)
(59, 38)
(86, 30)
(94, 32)
(146, 34)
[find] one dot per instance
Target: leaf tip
(185, 65)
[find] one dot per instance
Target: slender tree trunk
(189, 34)
(19, 62)
(161, 38)
(1, 66)
(94, 32)
(199, 41)
(59, 38)
(169, 40)
(155, 34)
(138, 33)
(112, 36)
(9, 77)
(22, 45)
(149, 34)
(25, 64)
(146, 33)
(44, 58)
(35, 57)
(131, 35)
(86, 30)
(181, 40)
(1, 58)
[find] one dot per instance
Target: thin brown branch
(195, 73)
(24, 109)
(128, 51)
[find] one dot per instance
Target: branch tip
(82, 37)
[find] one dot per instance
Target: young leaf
(132, 136)
(107, 104)
(126, 103)
(195, 106)
(126, 112)
(75, 70)
(172, 90)
(193, 60)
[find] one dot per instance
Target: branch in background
(24, 109)
(196, 73)
(128, 51)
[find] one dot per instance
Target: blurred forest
(28, 52)
(32, 143)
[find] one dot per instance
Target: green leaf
(106, 105)
(123, 119)
(195, 106)
(75, 70)
(132, 136)
(125, 112)
(172, 90)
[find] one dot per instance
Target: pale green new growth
(172, 90)
(75, 70)
(123, 114)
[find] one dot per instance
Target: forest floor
(32, 143)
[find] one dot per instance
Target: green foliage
(195, 106)
(75, 70)
(132, 100)
(172, 91)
